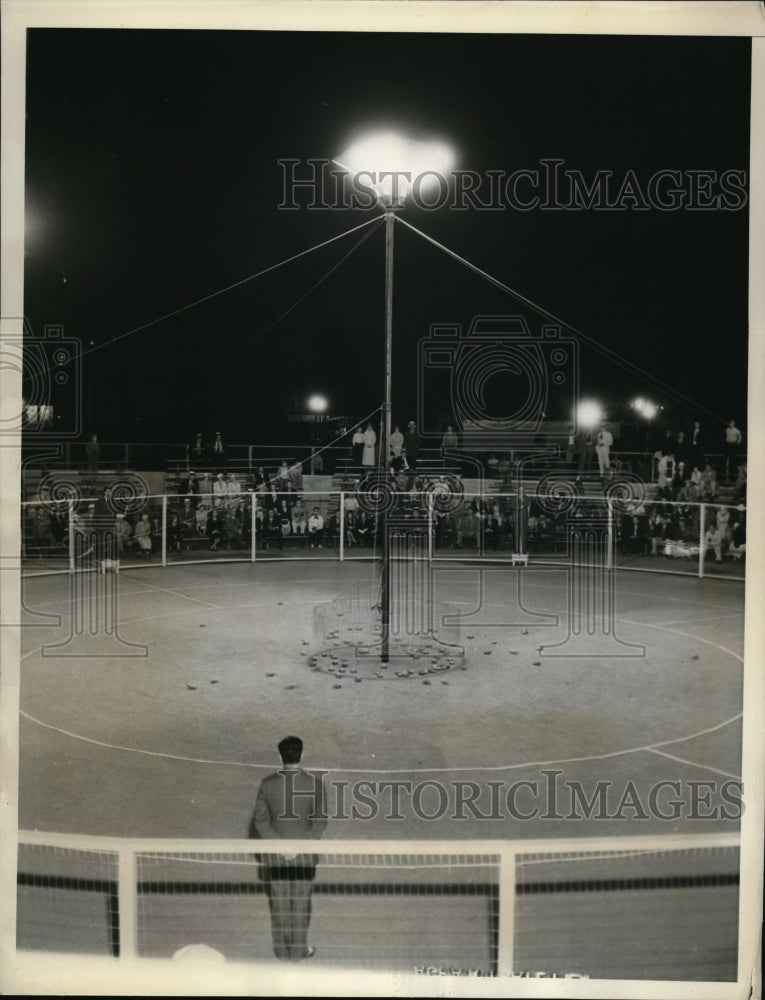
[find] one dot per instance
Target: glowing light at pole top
(390, 153)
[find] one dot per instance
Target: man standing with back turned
(290, 805)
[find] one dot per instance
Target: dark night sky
(152, 181)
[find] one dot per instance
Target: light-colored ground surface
(150, 746)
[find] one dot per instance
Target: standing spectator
(733, 441)
(296, 477)
(696, 445)
(220, 489)
(396, 443)
(219, 451)
(315, 528)
(93, 451)
(197, 453)
(740, 487)
(290, 804)
(738, 541)
(411, 445)
(708, 485)
(358, 445)
(282, 477)
(492, 466)
(586, 449)
(190, 487)
(449, 440)
(603, 449)
(370, 440)
(681, 451)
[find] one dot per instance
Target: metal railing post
(254, 522)
(342, 526)
(506, 915)
(164, 529)
(126, 902)
(70, 507)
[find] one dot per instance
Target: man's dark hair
(291, 749)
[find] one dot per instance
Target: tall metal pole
(385, 443)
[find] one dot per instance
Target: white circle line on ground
(398, 770)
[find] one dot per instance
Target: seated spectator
(740, 487)
(201, 520)
(124, 531)
(738, 540)
(272, 529)
(708, 486)
(713, 540)
(299, 518)
(364, 530)
(467, 528)
(315, 528)
(330, 530)
(220, 489)
(262, 479)
(175, 533)
(190, 487)
(722, 519)
(351, 538)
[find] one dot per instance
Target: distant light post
(317, 404)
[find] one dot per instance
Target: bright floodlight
(415, 164)
(649, 410)
(317, 403)
(589, 414)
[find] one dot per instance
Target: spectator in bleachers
(738, 535)
(262, 479)
(449, 440)
(364, 530)
(190, 487)
(299, 519)
(200, 521)
(315, 528)
(357, 444)
(696, 445)
(586, 449)
(411, 446)
(220, 489)
(603, 443)
(175, 533)
(197, 453)
(216, 528)
(732, 444)
(218, 452)
(505, 466)
(708, 485)
(666, 470)
(722, 519)
(368, 454)
(282, 476)
(467, 527)
(351, 518)
(330, 530)
(655, 529)
(681, 448)
(492, 466)
(123, 531)
(713, 540)
(396, 444)
(296, 477)
(739, 493)
(143, 535)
